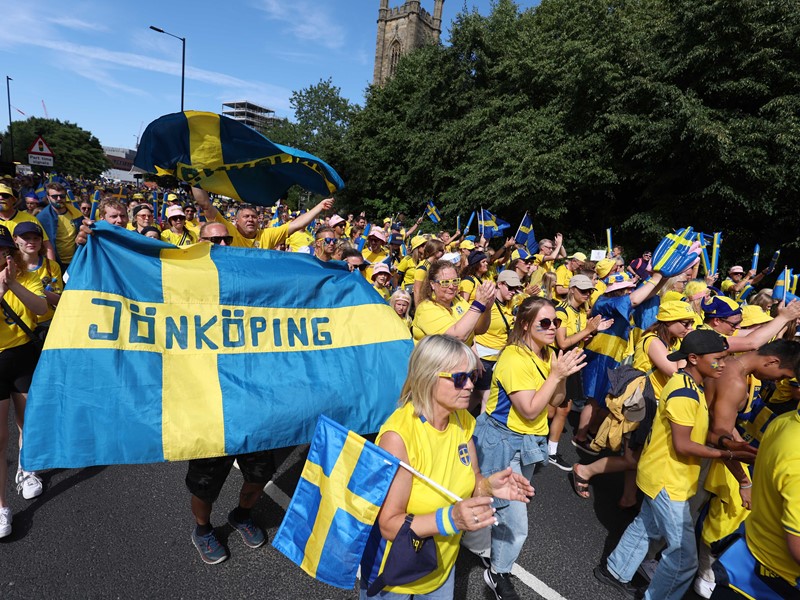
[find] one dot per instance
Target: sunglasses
(446, 283)
(687, 323)
(218, 239)
(514, 289)
(360, 267)
(6, 196)
(57, 196)
(329, 241)
(460, 378)
(547, 323)
(178, 218)
(735, 325)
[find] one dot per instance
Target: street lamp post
(10, 129)
(183, 56)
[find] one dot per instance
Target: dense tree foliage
(76, 151)
(643, 115)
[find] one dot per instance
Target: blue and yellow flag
(223, 156)
(489, 225)
(432, 212)
(344, 482)
(158, 353)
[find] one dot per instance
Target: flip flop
(580, 485)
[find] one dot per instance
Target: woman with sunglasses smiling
(22, 293)
(528, 377)
(432, 431)
(441, 310)
(142, 217)
(675, 319)
(177, 233)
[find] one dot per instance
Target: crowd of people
(675, 381)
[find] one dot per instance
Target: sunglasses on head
(460, 378)
(547, 323)
(218, 239)
(448, 282)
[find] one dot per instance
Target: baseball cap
(387, 220)
(603, 267)
(720, 307)
(28, 227)
(467, 245)
(699, 341)
(173, 198)
(475, 257)
(618, 281)
(582, 282)
(5, 189)
(175, 211)
(510, 278)
(674, 310)
(5, 238)
(736, 269)
(417, 241)
(137, 196)
(395, 238)
(335, 220)
(751, 315)
(378, 233)
(520, 253)
(578, 256)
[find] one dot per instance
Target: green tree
(76, 151)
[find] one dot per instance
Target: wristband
(648, 280)
(478, 306)
(746, 486)
(445, 523)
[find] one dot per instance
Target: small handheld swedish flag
(432, 212)
(490, 225)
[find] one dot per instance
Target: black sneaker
(602, 573)
(558, 461)
(500, 584)
(584, 446)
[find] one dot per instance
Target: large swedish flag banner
(223, 156)
(344, 482)
(158, 353)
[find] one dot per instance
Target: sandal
(580, 485)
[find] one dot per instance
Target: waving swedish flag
(432, 212)
(490, 225)
(227, 157)
(160, 353)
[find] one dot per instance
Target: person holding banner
(432, 432)
(22, 297)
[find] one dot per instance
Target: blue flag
(432, 212)
(158, 353)
(490, 225)
(525, 230)
(344, 482)
(224, 156)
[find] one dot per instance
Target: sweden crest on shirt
(463, 454)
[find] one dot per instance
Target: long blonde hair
(434, 353)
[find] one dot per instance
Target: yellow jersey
(11, 335)
(432, 318)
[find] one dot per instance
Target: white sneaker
(6, 516)
(648, 568)
(703, 587)
(29, 484)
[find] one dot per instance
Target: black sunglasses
(546, 323)
(57, 196)
(6, 196)
(218, 239)
(460, 378)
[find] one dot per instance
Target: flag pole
(520, 225)
(430, 481)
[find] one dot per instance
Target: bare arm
(647, 290)
(530, 403)
(203, 200)
(307, 218)
(762, 335)
(8, 282)
(48, 246)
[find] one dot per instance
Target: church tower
(402, 29)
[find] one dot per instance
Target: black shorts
(574, 390)
(16, 369)
(206, 476)
(485, 380)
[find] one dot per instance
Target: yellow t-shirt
(642, 362)
(432, 318)
(11, 335)
(421, 272)
(443, 457)
(66, 232)
(518, 369)
(563, 275)
(193, 226)
(373, 258)
(383, 291)
(266, 239)
(572, 319)
(682, 402)
(186, 238)
(407, 267)
(496, 336)
(21, 217)
(299, 240)
(468, 285)
(49, 273)
(776, 497)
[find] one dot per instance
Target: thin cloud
(306, 20)
(78, 24)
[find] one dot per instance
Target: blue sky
(96, 62)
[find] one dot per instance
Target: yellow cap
(674, 310)
(754, 315)
(603, 267)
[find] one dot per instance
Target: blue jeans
(660, 518)
(445, 592)
(511, 530)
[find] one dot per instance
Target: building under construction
(249, 113)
